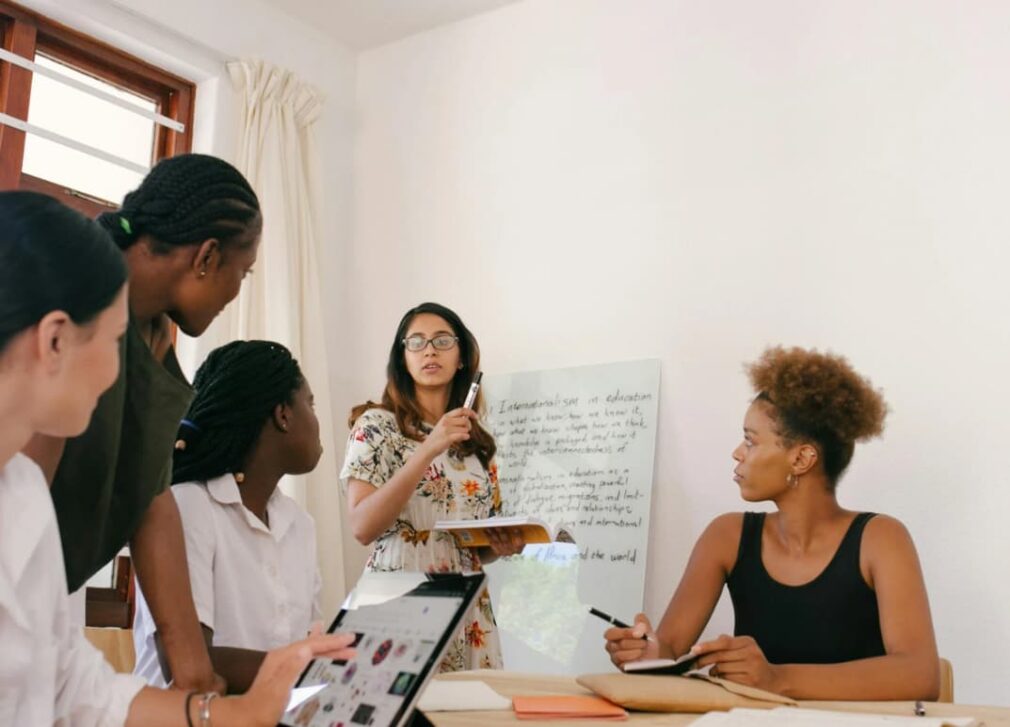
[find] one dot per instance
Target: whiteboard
(577, 446)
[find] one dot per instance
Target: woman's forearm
(237, 666)
(159, 554)
(890, 677)
(167, 708)
(375, 512)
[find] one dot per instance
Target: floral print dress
(452, 488)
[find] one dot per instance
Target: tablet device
(403, 625)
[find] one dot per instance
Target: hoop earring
(793, 481)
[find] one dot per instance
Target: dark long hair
(400, 398)
(52, 258)
(237, 389)
(185, 200)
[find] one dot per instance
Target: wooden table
(510, 684)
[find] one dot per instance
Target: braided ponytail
(185, 200)
(237, 389)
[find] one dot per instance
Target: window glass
(93, 121)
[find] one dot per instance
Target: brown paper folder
(695, 694)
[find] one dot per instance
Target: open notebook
(473, 533)
(662, 666)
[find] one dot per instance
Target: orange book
(566, 707)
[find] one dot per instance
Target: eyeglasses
(417, 343)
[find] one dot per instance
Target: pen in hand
(471, 395)
(616, 622)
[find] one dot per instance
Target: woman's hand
(632, 644)
(738, 659)
(506, 541)
(454, 427)
(268, 696)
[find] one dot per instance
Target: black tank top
(831, 619)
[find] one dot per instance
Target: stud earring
(240, 477)
(202, 274)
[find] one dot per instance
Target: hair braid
(185, 200)
(237, 389)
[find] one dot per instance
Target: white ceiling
(361, 24)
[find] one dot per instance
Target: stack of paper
(566, 707)
(460, 696)
(794, 717)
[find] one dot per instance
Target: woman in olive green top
(190, 234)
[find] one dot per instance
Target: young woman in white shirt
(251, 550)
(63, 309)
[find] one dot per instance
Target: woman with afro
(828, 603)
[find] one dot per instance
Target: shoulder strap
(750, 537)
(852, 543)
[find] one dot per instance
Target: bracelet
(205, 708)
(189, 701)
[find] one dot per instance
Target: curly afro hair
(818, 397)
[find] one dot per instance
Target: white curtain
(281, 300)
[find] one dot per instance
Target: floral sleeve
(371, 452)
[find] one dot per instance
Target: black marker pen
(471, 396)
(608, 618)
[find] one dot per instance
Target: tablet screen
(399, 643)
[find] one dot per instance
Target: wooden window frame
(26, 33)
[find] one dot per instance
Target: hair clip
(189, 425)
(125, 224)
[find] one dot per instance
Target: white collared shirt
(255, 587)
(49, 673)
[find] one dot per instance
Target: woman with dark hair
(419, 457)
(189, 234)
(63, 311)
(829, 603)
(251, 549)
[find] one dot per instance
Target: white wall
(589, 181)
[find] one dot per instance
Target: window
(85, 122)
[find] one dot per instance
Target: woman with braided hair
(829, 603)
(63, 311)
(251, 549)
(189, 234)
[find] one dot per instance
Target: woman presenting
(419, 457)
